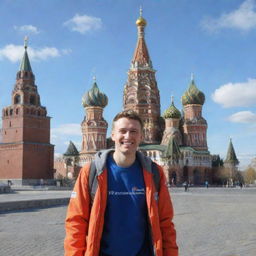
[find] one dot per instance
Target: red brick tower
(26, 155)
(195, 126)
(94, 126)
(141, 93)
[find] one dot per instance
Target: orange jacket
(84, 224)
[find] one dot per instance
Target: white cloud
(243, 117)
(243, 18)
(14, 53)
(61, 135)
(27, 29)
(66, 129)
(236, 94)
(83, 23)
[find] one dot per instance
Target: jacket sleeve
(78, 214)
(165, 207)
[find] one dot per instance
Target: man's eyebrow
(128, 129)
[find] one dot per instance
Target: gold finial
(26, 42)
(141, 21)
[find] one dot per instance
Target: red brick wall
(11, 161)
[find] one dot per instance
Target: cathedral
(177, 140)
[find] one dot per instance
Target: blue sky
(72, 41)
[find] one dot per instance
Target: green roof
(172, 151)
(153, 147)
(231, 155)
(72, 150)
(25, 64)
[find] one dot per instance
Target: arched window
(32, 100)
(17, 111)
(17, 99)
(11, 112)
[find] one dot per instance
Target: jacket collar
(101, 159)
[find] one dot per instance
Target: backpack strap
(93, 181)
(156, 175)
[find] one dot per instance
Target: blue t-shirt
(125, 227)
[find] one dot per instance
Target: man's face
(127, 135)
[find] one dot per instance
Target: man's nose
(128, 134)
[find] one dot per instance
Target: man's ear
(112, 135)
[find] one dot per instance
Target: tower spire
(25, 63)
(141, 93)
(141, 56)
(231, 157)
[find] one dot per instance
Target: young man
(129, 216)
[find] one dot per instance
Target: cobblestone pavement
(33, 195)
(209, 222)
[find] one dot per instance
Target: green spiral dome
(172, 112)
(193, 95)
(94, 97)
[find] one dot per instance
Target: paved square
(209, 222)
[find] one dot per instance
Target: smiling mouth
(127, 143)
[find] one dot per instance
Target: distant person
(206, 184)
(186, 186)
(130, 213)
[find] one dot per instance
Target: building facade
(26, 155)
(177, 141)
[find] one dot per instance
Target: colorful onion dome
(193, 95)
(141, 21)
(172, 112)
(94, 97)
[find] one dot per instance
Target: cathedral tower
(195, 126)
(140, 92)
(94, 126)
(172, 118)
(26, 153)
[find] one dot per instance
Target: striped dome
(193, 95)
(171, 112)
(94, 97)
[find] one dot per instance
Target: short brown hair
(129, 114)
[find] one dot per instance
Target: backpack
(93, 182)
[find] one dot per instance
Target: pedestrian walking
(186, 186)
(125, 210)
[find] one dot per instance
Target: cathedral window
(130, 101)
(6, 112)
(17, 99)
(11, 112)
(17, 111)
